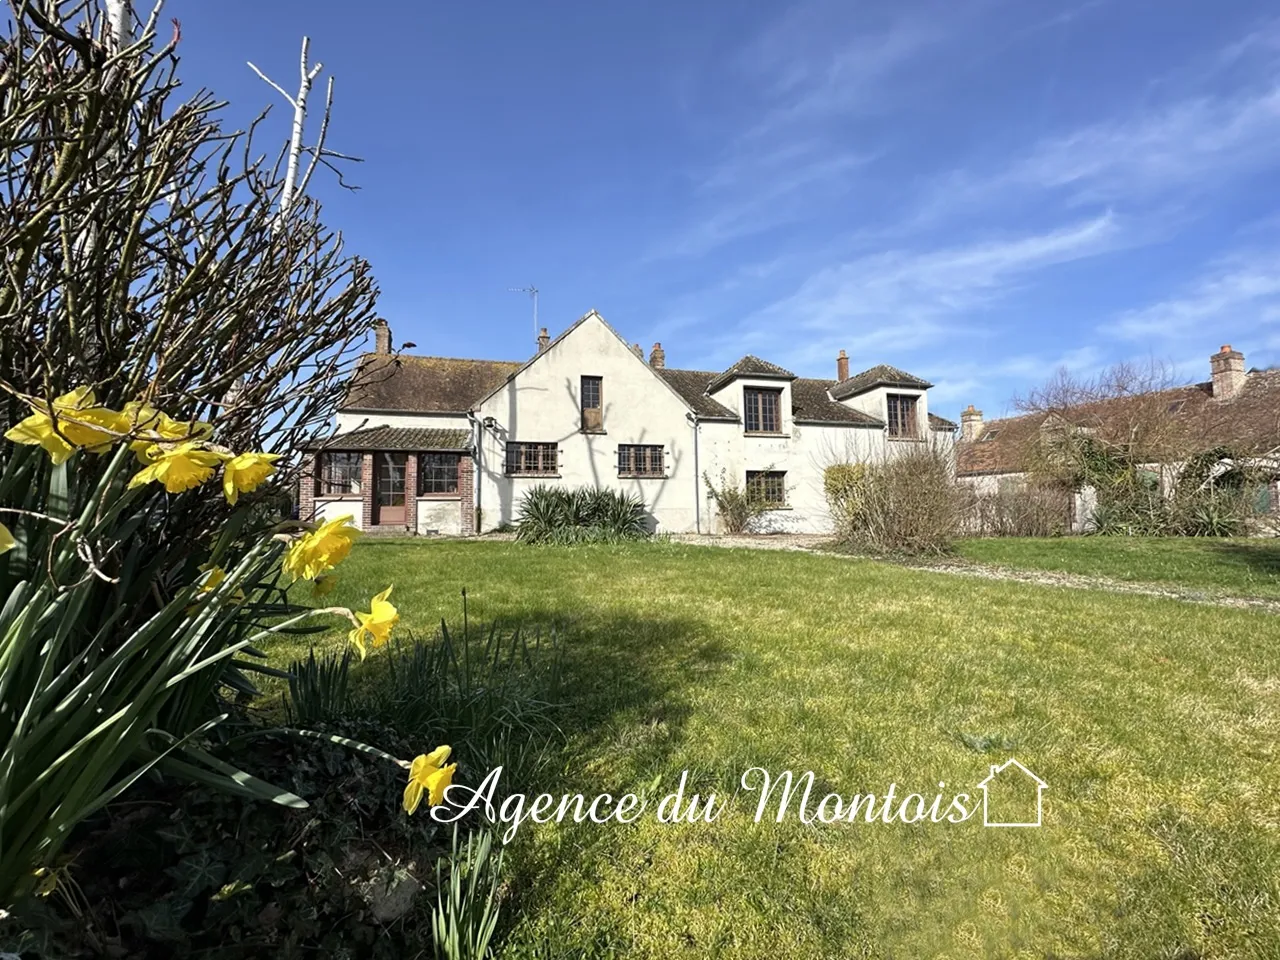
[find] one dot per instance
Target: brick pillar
(467, 491)
(307, 487)
(366, 489)
(411, 492)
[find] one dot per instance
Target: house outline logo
(1041, 786)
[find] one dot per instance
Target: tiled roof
(1249, 422)
(692, 387)
(424, 384)
(750, 366)
(881, 375)
(399, 438)
(940, 423)
(810, 404)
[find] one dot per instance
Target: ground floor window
(641, 460)
(339, 473)
(437, 473)
(770, 486)
(531, 459)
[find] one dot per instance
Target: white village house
(434, 445)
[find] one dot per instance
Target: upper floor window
(769, 486)
(592, 406)
(762, 410)
(438, 473)
(339, 473)
(531, 459)
(902, 415)
(641, 460)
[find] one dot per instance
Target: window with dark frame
(591, 394)
(762, 410)
(641, 460)
(339, 473)
(769, 486)
(902, 415)
(531, 459)
(437, 473)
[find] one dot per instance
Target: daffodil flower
(376, 624)
(320, 550)
(427, 773)
(75, 422)
(214, 580)
(150, 426)
(245, 472)
(178, 466)
(7, 542)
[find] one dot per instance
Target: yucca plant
(560, 515)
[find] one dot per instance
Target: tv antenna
(532, 291)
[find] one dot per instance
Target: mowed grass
(1229, 567)
(1153, 721)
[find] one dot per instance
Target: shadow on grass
(1257, 559)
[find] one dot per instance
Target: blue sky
(979, 192)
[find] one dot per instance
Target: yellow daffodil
(245, 472)
(214, 580)
(428, 773)
(178, 466)
(320, 550)
(150, 426)
(80, 423)
(7, 542)
(324, 585)
(376, 624)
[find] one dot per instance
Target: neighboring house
(450, 446)
(1235, 408)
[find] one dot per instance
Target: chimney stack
(544, 340)
(637, 350)
(842, 366)
(970, 423)
(657, 357)
(1227, 367)
(381, 336)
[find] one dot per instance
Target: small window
(768, 485)
(437, 473)
(339, 473)
(592, 409)
(531, 459)
(762, 410)
(641, 460)
(989, 435)
(902, 415)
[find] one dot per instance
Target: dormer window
(592, 407)
(762, 410)
(902, 415)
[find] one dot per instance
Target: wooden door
(389, 492)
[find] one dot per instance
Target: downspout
(697, 476)
(476, 445)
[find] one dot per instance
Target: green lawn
(1235, 567)
(1153, 721)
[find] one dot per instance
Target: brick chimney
(637, 350)
(381, 336)
(544, 340)
(842, 366)
(657, 357)
(1227, 367)
(970, 423)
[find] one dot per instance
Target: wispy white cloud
(902, 300)
(1235, 294)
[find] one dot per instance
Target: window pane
(902, 415)
(591, 393)
(438, 473)
(531, 458)
(768, 485)
(762, 410)
(641, 460)
(339, 473)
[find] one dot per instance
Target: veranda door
(388, 501)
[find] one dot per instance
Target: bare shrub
(905, 504)
(736, 506)
(1037, 510)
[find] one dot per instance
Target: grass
(1230, 567)
(1153, 721)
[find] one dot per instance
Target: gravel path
(810, 543)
